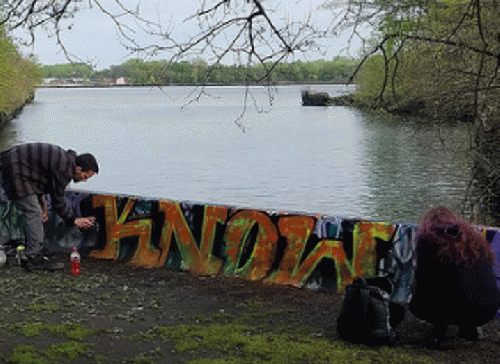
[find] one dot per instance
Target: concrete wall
(313, 251)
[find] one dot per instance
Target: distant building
(121, 81)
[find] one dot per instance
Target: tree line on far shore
(140, 72)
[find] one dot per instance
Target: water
(165, 143)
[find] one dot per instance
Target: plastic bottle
(75, 262)
(20, 254)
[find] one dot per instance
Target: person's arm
(63, 210)
(61, 177)
(61, 207)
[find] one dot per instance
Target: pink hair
(459, 242)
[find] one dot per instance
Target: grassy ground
(119, 314)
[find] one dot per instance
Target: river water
(168, 143)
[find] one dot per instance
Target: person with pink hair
(454, 282)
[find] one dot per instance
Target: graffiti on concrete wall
(12, 224)
(275, 247)
(396, 258)
(493, 237)
(60, 236)
(295, 249)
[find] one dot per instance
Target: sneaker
(42, 263)
(23, 262)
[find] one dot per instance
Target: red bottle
(75, 262)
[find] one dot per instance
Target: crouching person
(454, 279)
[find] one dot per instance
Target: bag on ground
(365, 314)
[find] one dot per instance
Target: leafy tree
(140, 72)
(18, 76)
(70, 70)
(442, 59)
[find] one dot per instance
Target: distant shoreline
(189, 85)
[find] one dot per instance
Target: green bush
(18, 76)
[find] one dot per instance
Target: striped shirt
(40, 169)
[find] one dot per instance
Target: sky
(94, 38)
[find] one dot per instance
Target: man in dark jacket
(31, 171)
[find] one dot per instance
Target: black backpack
(367, 315)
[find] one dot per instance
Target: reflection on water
(331, 160)
(411, 167)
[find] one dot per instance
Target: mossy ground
(119, 314)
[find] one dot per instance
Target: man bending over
(31, 171)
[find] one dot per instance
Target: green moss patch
(55, 353)
(71, 331)
(68, 350)
(26, 354)
(239, 343)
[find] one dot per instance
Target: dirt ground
(111, 305)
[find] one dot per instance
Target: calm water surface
(333, 160)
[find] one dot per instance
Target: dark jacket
(452, 294)
(40, 169)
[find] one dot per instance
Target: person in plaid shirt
(28, 173)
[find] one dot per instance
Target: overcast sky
(93, 36)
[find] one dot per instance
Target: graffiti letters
(253, 244)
